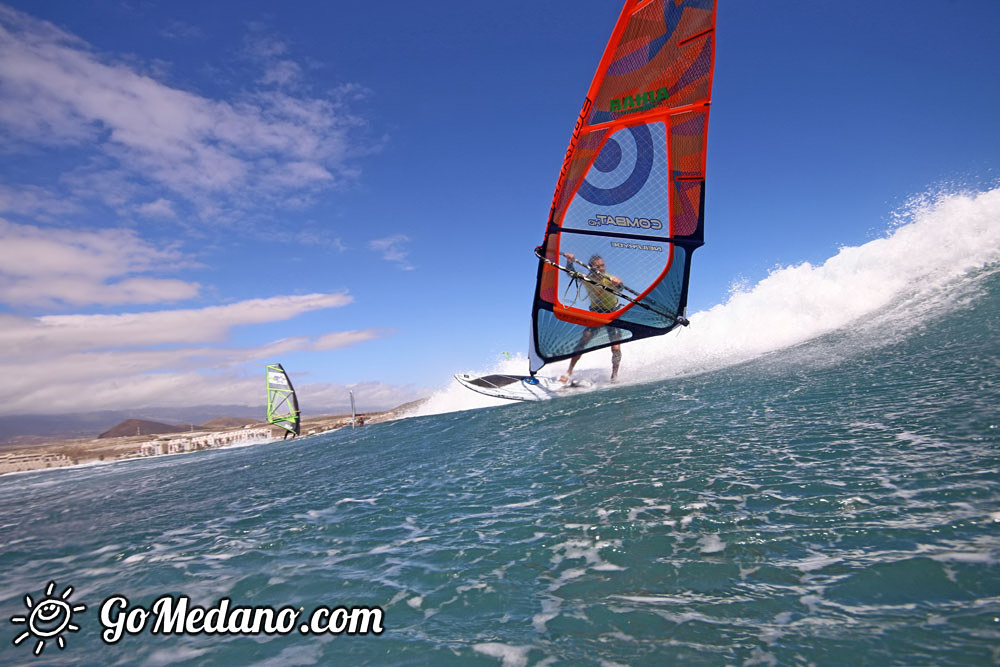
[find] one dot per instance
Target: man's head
(596, 263)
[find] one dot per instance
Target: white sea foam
(369, 501)
(551, 607)
(634, 513)
(963, 557)
(815, 562)
(303, 654)
(510, 656)
(934, 243)
(526, 503)
(173, 655)
(761, 657)
(812, 602)
(711, 544)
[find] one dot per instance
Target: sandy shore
(81, 451)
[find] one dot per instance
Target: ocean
(808, 474)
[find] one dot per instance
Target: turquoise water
(836, 502)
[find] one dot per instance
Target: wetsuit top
(601, 300)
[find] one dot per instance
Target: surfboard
(520, 387)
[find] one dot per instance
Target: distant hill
(141, 427)
(32, 429)
(27, 428)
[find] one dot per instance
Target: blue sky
(191, 190)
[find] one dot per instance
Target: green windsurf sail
(282, 404)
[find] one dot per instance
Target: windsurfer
(603, 299)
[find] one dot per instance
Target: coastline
(72, 452)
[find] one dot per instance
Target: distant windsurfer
(601, 288)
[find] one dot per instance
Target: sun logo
(49, 618)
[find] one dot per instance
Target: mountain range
(28, 429)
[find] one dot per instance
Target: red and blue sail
(631, 191)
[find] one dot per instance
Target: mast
(354, 417)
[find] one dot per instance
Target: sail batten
(630, 194)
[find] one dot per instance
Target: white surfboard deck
(520, 387)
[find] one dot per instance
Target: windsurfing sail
(354, 414)
(282, 405)
(628, 209)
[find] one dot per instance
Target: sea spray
(915, 270)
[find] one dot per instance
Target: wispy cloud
(38, 202)
(214, 154)
(45, 267)
(144, 148)
(392, 250)
(161, 208)
(90, 362)
(69, 333)
(271, 54)
(127, 364)
(196, 389)
(321, 343)
(179, 30)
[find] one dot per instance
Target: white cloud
(260, 46)
(392, 250)
(24, 380)
(340, 339)
(282, 73)
(35, 201)
(161, 208)
(70, 333)
(194, 389)
(76, 363)
(49, 266)
(141, 146)
(59, 92)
